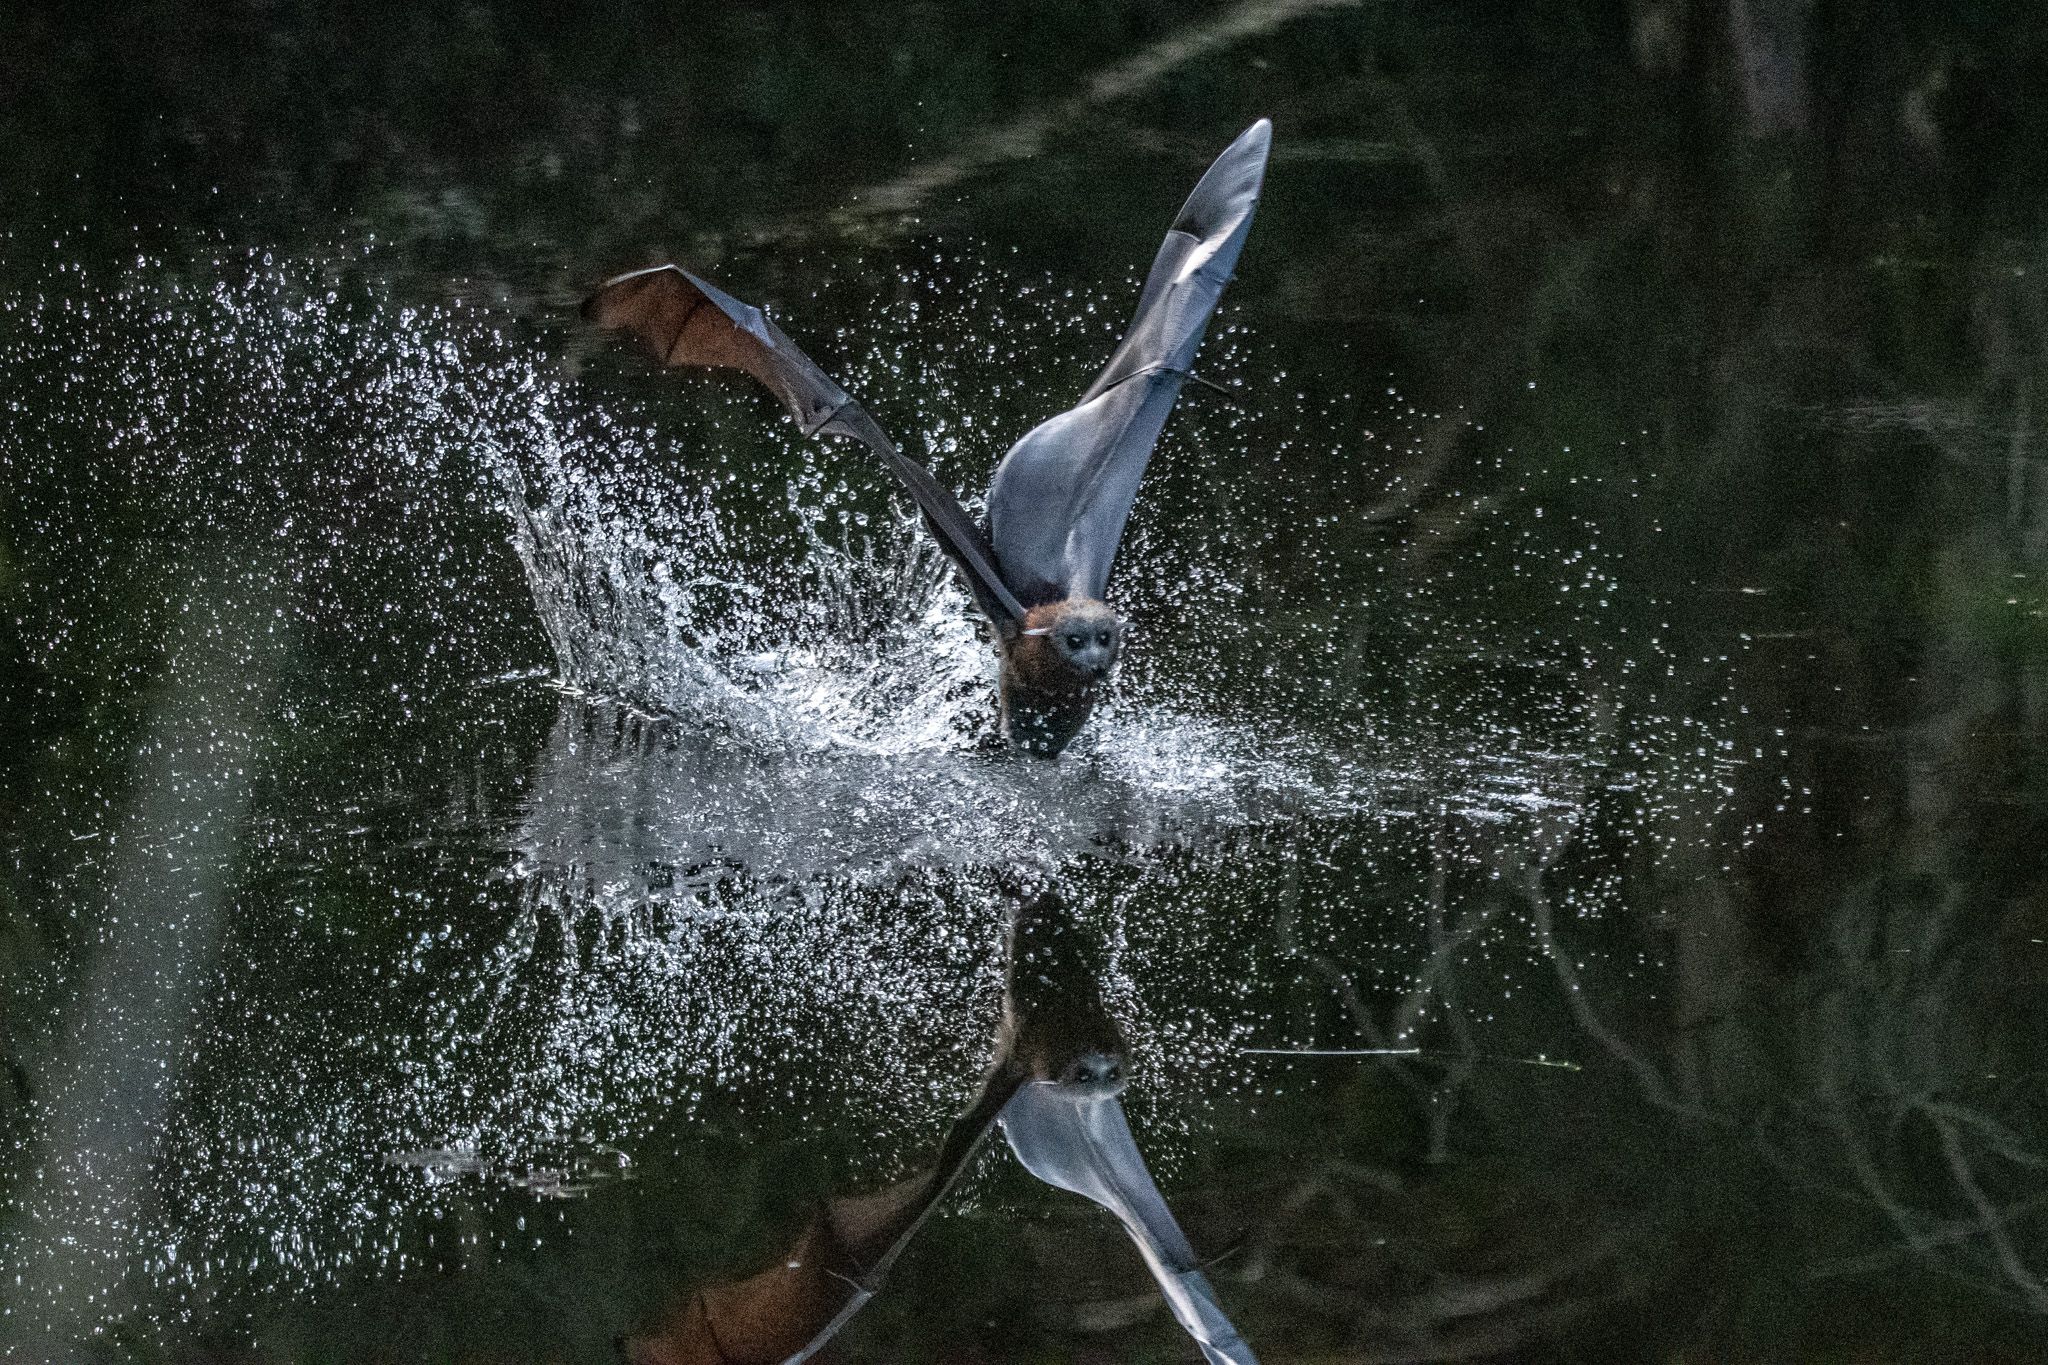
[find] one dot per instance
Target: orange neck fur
(1045, 699)
(1035, 661)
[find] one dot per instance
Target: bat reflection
(1053, 1088)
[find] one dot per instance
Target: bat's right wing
(683, 320)
(1082, 1143)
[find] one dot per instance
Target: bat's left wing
(1081, 1143)
(785, 1314)
(1057, 507)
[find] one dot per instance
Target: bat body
(1053, 1087)
(1059, 500)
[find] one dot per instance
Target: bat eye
(1073, 642)
(1103, 638)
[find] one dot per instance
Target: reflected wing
(785, 1314)
(683, 320)
(1061, 496)
(1084, 1145)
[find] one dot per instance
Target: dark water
(493, 836)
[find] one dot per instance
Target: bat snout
(1095, 660)
(1094, 1074)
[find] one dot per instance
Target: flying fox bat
(1060, 498)
(1058, 1070)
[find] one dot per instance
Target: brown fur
(1045, 700)
(1053, 1011)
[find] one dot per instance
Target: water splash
(750, 862)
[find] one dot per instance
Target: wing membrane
(1083, 1144)
(785, 1314)
(686, 321)
(1061, 497)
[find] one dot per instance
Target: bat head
(1081, 636)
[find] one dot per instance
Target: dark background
(1760, 281)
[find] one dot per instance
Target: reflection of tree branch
(1444, 1099)
(1900, 965)
(1026, 136)
(1340, 980)
(1999, 1138)
(1458, 1317)
(1444, 948)
(1927, 975)
(1437, 172)
(1994, 1229)
(1955, 1230)
(1318, 1188)
(1647, 1076)
(1922, 1232)
(1906, 1220)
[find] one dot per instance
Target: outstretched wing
(684, 320)
(1057, 507)
(785, 1314)
(1083, 1144)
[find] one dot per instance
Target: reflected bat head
(1056, 1030)
(1082, 636)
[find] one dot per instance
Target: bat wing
(683, 320)
(1060, 498)
(1084, 1145)
(879, 1227)
(786, 1313)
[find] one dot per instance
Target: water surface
(493, 835)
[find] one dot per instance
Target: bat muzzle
(1092, 1076)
